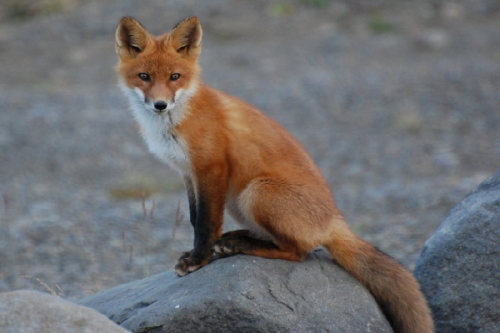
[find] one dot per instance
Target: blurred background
(397, 102)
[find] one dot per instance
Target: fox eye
(144, 77)
(175, 77)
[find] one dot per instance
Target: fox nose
(160, 105)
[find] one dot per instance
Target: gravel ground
(396, 101)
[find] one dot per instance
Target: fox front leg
(206, 207)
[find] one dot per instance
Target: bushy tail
(395, 289)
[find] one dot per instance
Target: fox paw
(187, 264)
(226, 247)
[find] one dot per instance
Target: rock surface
(245, 294)
(27, 311)
(459, 267)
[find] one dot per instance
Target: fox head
(158, 72)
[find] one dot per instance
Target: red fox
(233, 156)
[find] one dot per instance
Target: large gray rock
(27, 311)
(459, 267)
(245, 294)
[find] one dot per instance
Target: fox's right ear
(131, 38)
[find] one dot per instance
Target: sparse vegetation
(380, 25)
(19, 10)
(137, 187)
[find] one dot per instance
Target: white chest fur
(157, 130)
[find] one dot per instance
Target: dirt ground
(397, 102)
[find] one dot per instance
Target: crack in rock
(276, 297)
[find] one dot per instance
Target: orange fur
(232, 155)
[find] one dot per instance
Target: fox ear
(131, 38)
(186, 38)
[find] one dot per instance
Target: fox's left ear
(186, 38)
(131, 38)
